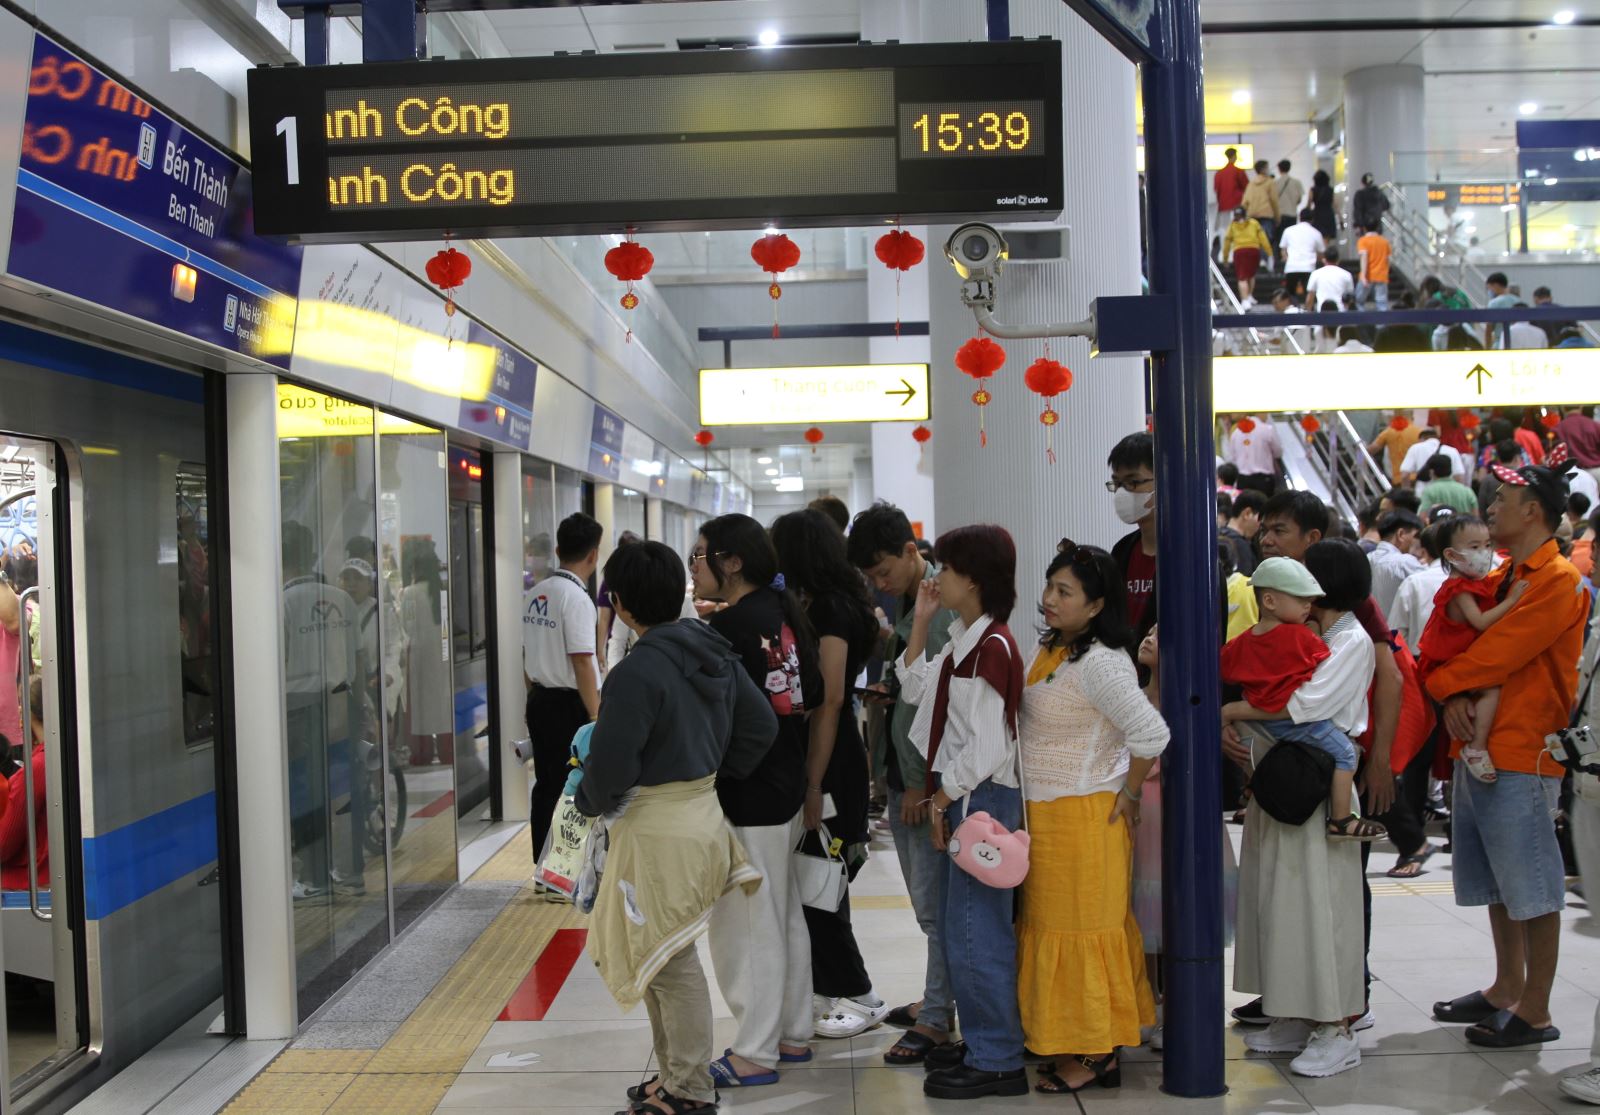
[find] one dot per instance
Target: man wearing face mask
(1133, 490)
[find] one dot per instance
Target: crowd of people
(728, 749)
(1267, 223)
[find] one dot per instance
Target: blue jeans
(1505, 849)
(1320, 734)
(1380, 293)
(923, 869)
(980, 944)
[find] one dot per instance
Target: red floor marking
(544, 981)
(438, 805)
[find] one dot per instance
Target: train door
(475, 807)
(40, 926)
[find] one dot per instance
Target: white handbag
(823, 880)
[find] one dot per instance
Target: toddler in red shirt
(1463, 608)
(1276, 657)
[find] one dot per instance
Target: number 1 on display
(289, 129)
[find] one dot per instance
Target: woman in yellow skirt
(1089, 738)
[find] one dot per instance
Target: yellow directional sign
(833, 393)
(1379, 380)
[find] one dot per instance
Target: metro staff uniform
(559, 620)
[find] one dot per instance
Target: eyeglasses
(700, 555)
(1136, 486)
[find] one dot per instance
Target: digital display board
(705, 139)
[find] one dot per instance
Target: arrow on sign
(514, 1060)
(1480, 371)
(909, 392)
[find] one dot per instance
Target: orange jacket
(1532, 654)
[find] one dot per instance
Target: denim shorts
(1320, 734)
(1505, 850)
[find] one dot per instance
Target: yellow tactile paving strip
(415, 1067)
(880, 902)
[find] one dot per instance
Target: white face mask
(1133, 506)
(1473, 563)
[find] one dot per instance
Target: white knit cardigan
(1080, 726)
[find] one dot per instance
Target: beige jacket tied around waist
(671, 856)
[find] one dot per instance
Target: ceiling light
(763, 460)
(1241, 96)
(1565, 16)
(789, 484)
(769, 37)
(1528, 108)
(1551, 181)
(772, 472)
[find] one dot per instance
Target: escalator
(1331, 463)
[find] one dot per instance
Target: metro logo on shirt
(539, 612)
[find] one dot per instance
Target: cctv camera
(976, 252)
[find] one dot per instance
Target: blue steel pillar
(1186, 527)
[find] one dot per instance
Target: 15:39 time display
(970, 130)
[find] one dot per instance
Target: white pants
(761, 950)
(1586, 845)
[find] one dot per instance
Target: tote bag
(823, 879)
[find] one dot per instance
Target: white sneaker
(305, 892)
(1365, 1022)
(849, 1018)
(1583, 1086)
(1332, 1049)
(1155, 1040)
(1282, 1035)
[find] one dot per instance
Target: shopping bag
(566, 848)
(823, 879)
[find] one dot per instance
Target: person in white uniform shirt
(1300, 246)
(1330, 282)
(1253, 446)
(559, 624)
(1413, 603)
(1392, 563)
(1425, 447)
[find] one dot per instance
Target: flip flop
(1416, 859)
(724, 1075)
(794, 1058)
(916, 1048)
(1471, 1008)
(1504, 1030)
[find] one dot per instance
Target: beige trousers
(679, 1004)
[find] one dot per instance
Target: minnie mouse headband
(1548, 486)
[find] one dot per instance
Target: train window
(199, 662)
(538, 522)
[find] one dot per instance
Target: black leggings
(554, 717)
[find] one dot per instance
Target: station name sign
(702, 139)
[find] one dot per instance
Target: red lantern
(704, 439)
(1400, 423)
(920, 435)
(1551, 420)
(981, 358)
(775, 253)
(1470, 421)
(1048, 378)
(630, 262)
(899, 251)
(447, 270)
(1310, 423)
(814, 437)
(1247, 425)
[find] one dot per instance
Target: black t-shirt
(774, 793)
(848, 776)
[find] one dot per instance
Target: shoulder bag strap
(1022, 777)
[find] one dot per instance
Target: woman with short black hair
(968, 697)
(1089, 739)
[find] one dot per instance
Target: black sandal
(1107, 1074)
(1415, 859)
(916, 1047)
(675, 1105)
(643, 1093)
(1355, 828)
(903, 1016)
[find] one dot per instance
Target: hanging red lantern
(630, 262)
(1400, 423)
(981, 358)
(447, 270)
(814, 437)
(1469, 421)
(1048, 378)
(1551, 421)
(1247, 425)
(704, 438)
(775, 253)
(921, 434)
(1310, 423)
(899, 251)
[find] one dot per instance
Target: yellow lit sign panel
(836, 393)
(303, 412)
(1383, 380)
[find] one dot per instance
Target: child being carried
(1276, 657)
(1463, 609)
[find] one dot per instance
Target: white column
(605, 514)
(655, 525)
(1384, 127)
(1010, 482)
(506, 569)
(255, 570)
